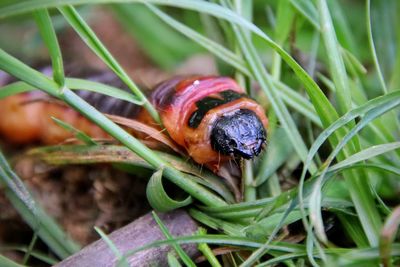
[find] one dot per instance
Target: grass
(336, 120)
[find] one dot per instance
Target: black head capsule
(240, 133)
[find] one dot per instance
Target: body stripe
(208, 103)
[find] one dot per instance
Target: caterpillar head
(240, 133)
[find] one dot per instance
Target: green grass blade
(172, 260)
(366, 213)
(256, 255)
(80, 84)
(279, 149)
(284, 22)
(379, 167)
(335, 60)
(388, 235)
(220, 51)
(354, 62)
(231, 229)
(46, 28)
(365, 257)
(33, 214)
(25, 73)
(266, 226)
(6, 262)
(342, 28)
(366, 154)
(372, 46)
(14, 88)
(280, 109)
(308, 10)
(395, 78)
(51, 260)
(90, 38)
(206, 250)
(149, 32)
(122, 261)
(159, 199)
(221, 240)
(75, 84)
(77, 133)
(182, 254)
(371, 110)
(109, 242)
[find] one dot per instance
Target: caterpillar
(210, 117)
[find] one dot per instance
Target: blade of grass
(378, 127)
(395, 78)
(33, 214)
(342, 28)
(363, 195)
(221, 240)
(50, 260)
(390, 99)
(359, 192)
(218, 50)
(388, 235)
(256, 255)
(74, 84)
(172, 260)
(335, 60)
(284, 19)
(125, 159)
(121, 259)
(278, 151)
(14, 88)
(366, 154)
(181, 253)
(158, 197)
(379, 167)
(6, 262)
(77, 133)
(372, 47)
(46, 28)
(231, 229)
(80, 84)
(149, 32)
(261, 76)
(90, 38)
(29, 249)
(308, 10)
(245, 9)
(207, 252)
(266, 226)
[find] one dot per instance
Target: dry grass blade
(84, 154)
(388, 234)
(148, 130)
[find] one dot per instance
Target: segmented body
(190, 107)
(210, 117)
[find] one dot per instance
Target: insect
(210, 117)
